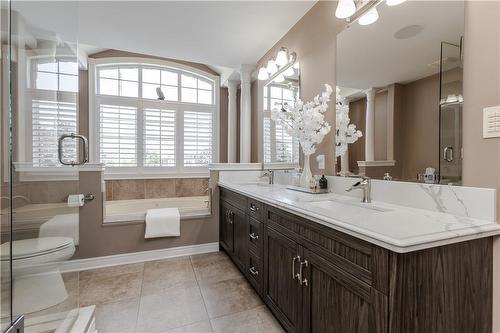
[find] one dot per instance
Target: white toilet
(36, 251)
(37, 282)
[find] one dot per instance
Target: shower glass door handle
(448, 154)
(60, 149)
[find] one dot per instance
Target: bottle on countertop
(323, 183)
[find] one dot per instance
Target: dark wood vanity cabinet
(316, 279)
(233, 233)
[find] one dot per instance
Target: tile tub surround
(172, 295)
(128, 189)
(397, 228)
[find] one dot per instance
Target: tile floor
(198, 294)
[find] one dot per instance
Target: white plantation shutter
(198, 138)
(51, 119)
(267, 139)
(287, 149)
(159, 137)
(118, 135)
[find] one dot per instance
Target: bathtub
(135, 210)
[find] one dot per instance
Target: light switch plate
(321, 162)
(491, 122)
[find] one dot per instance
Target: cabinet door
(240, 222)
(226, 228)
(281, 289)
(335, 301)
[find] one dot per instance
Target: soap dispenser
(323, 183)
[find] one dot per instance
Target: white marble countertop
(397, 228)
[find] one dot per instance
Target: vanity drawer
(235, 199)
(365, 261)
(254, 272)
(255, 209)
(255, 239)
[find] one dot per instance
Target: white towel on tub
(163, 222)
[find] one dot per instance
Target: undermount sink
(257, 184)
(345, 211)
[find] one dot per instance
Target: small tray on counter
(307, 190)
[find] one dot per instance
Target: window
(155, 117)
(53, 88)
(55, 74)
(279, 146)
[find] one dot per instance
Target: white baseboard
(135, 257)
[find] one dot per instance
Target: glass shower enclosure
(450, 113)
(40, 153)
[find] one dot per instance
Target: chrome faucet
(270, 174)
(364, 184)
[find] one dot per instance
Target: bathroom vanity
(320, 273)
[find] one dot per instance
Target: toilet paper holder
(86, 198)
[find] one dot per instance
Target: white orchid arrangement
(306, 121)
(346, 133)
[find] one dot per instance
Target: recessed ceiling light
(408, 31)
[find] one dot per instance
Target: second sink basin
(345, 211)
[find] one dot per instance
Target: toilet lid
(26, 248)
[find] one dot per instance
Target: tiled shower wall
(128, 189)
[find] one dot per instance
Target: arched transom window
(155, 117)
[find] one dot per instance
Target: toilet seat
(38, 250)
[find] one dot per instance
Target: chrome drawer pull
(254, 208)
(295, 276)
(253, 271)
(253, 236)
(302, 264)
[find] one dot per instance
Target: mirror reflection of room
(401, 78)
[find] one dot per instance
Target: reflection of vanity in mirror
(401, 78)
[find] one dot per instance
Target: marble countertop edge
(399, 245)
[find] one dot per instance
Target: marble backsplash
(465, 201)
(474, 202)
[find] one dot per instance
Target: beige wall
(481, 165)
(420, 126)
(314, 40)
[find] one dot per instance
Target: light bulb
(369, 17)
(263, 74)
(394, 2)
(279, 78)
(289, 72)
(281, 58)
(345, 8)
(271, 67)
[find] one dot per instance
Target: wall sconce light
(284, 65)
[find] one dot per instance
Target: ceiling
(222, 34)
(370, 56)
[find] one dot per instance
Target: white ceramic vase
(306, 176)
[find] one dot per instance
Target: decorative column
(245, 113)
(370, 125)
(232, 124)
(344, 163)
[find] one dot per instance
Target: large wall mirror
(401, 78)
(278, 145)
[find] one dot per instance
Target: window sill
(111, 174)
(29, 173)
